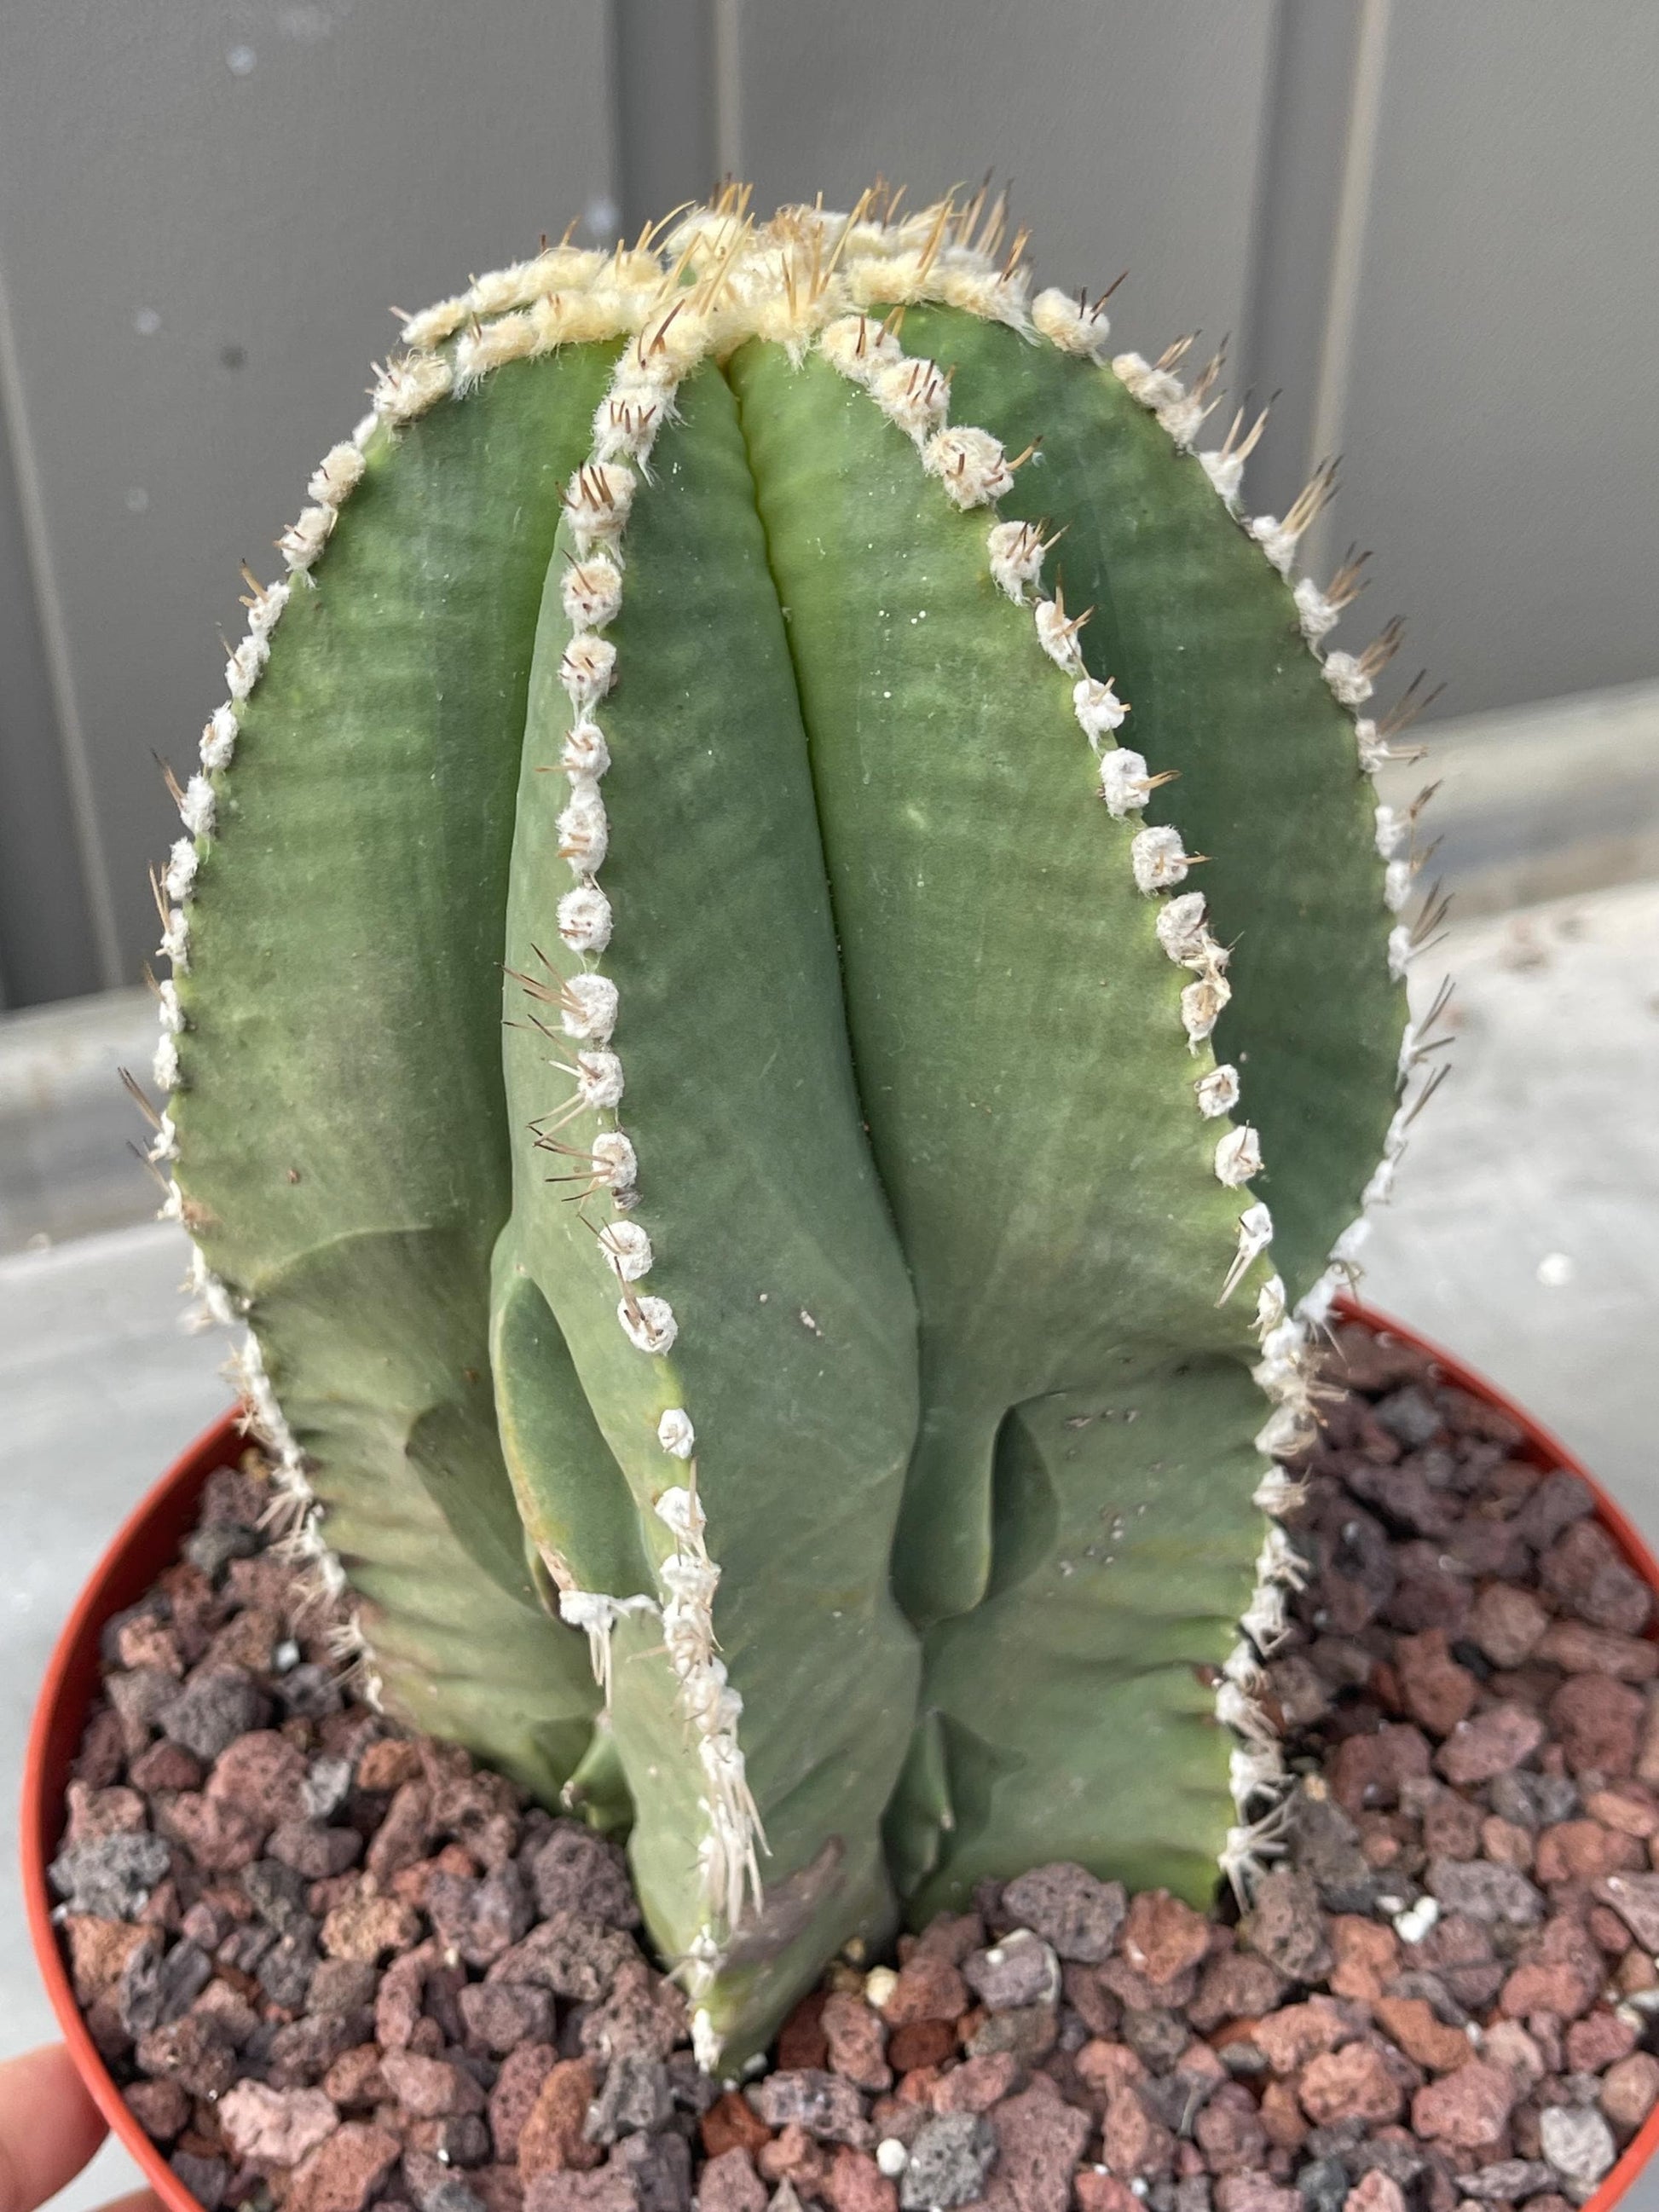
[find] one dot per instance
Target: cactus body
(842, 1311)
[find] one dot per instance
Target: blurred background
(1430, 229)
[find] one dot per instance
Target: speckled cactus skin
(698, 1051)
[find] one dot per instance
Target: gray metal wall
(1432, 222)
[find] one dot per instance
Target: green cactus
(696, 1053)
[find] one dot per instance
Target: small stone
(341, 1985)
(1583, 1568)
(1238, 1985)
(1578, 1649)
(574, 1958)
(214, 1708)
(1229, 2131)
(308, 1693)
(480, 1920)
(195, 2051)
(1489, 1744)
(1020, 1970)
(1254, 2192)
(500, 2015)
(1030, 2032)
(354, 2080)
(161, 2108)
(795, 2162)
(276, 2127)
(1508, 1624)
(1436, 1691)
(1635, 1898)
(612, 2190)
(155, 1989)
(1134, 2142)
(284, 1973)
(1072, 1910)
(514, 2097)
(929, 1987)
(1598, 1724)
(264, 1774)
(579, 1872)
(1466, 2109)
(1630, 2089)
(316, 1852)
(1039, 2143)
(221, 1835)
(551, 2137)
(1367, 1957)
(1354, 2083)
(343, 2173)
(732, 2124)
(110, 1876)
(302, 2052)
(923, 2043)
(976, 2084)
(855, 2183)
(430, 2088)
(206, 2178)
(641, 2016)
(1376, 2191)
(1561, 1974)
(1322, 2185)
(730, 2184)
(829, 2109)
(1288, 2038)
(403, 1835)
(1484, 1892)
(1506, 2182)
(1411, 2023)
(1286, 1926)
(660, 2168)
(1578, 2142)
(1163, 1937)
(369, 1928)
(949, 2160)
(855, 2037)
(633, 2099)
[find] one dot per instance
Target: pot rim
(148, 1540)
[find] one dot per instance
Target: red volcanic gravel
(336, 1966)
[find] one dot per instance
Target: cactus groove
(744, 1107)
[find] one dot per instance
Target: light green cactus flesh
(695, 1075)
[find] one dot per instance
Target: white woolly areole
(584, 917)
(1380, 1189)
(587, 1008)
(1058, 636)
(219, 737)
(584, 831)
(1098, 710)
(1158, 858)
(970, 463)
(1374, 752)
(302, 542)
(676, 1434)
(1270, 1307)
(408, 388)
(1183, 417)
(1318, 617)
(587, 669)
(1238, 1156)
(180, 872)
(648, 1323)
(627, 1249)
(614, 1160)
(598, 1080)
(1400, 950)
(625, 427)
(1393, 828)
(165, 1065)
(1125, 783)
(1278, 540)
(1397, 880)
(585, 752)
(243, 669)
(1350, 1244)
(912, 394)
(1226, 472)
(598, 1614)
(1152, 387)
(1181, 929)
(1348, 681)
(1071, 325)
(173, 1014)
(175, 939)
(590, 591)
(196, 807)
(337, 475)
(264, 610)
(1200, 1007)
(597, 500)
(1217, 1091)
(1016, 552)
(858, 346)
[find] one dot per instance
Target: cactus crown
(804, 1395)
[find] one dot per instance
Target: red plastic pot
(148, 1542)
